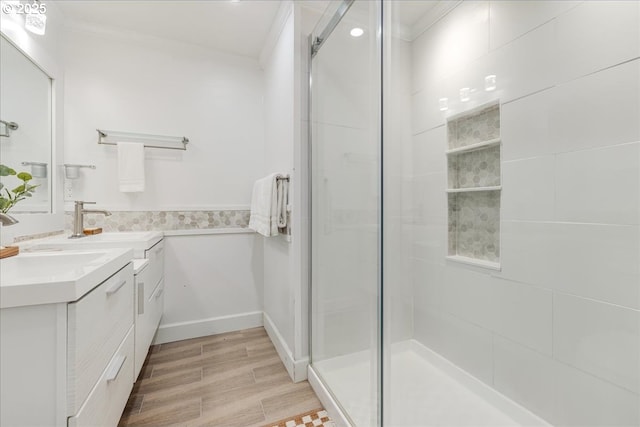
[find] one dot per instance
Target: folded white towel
(264, 206)
(130, 167)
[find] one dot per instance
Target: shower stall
(475, 211)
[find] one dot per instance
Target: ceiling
(239, 27)
(235, 26)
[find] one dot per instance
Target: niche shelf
(474, 189)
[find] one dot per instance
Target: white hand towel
(264, 206)
(130, 167)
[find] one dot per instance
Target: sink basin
(59, 276)
(43, 265)
(139, 241)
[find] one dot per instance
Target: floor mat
(316, 418)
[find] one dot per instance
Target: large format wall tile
(601, 185)
(467, 295)
(517, 311)
(532, 387)
(526, 65)
(428, 285)
(511, 19)
(450, 44)
(589, 260)
(430, 198)
(584, 400)
(597, 35)
(560, 393)
(599, 338)
(430, 242)
(525, 127)
(468, 346)
(425, 109)
(522, 313)
(528, 189)
(428, 151)
(598, 110)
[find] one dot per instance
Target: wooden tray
(9, 251)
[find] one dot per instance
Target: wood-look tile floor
(228, 380)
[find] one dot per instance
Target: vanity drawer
(108, 398)
(155, 270)
(96, 325)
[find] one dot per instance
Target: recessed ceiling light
(356, 32)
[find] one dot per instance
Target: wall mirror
(26, 126)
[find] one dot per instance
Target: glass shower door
(345, 153)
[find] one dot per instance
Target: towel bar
(109, 137)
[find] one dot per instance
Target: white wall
(285, 263)
(557, 329)
(127, 82)
(214, 285)
(124, 82)
(279, 140)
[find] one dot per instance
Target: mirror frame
(41, 50)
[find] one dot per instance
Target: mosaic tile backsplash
(163, 220)
(479, 126)
(480, 168)
(474, 225)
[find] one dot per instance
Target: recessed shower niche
(473, 162)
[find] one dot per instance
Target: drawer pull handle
(115, 368)
(115, 288)
(140, 297)
(159, 293)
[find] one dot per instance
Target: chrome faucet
(78, 218)
(7, 219)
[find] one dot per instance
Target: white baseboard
(201, 328)
(297, 369)
(327, 400)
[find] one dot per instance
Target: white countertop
(49, 277)
(139, 241)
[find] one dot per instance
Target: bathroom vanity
(77, 318)
(66, 337)
(148, 257)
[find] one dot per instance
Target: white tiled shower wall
(557, 329)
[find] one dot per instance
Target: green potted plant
(9, 198)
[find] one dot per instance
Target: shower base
(424, 390)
